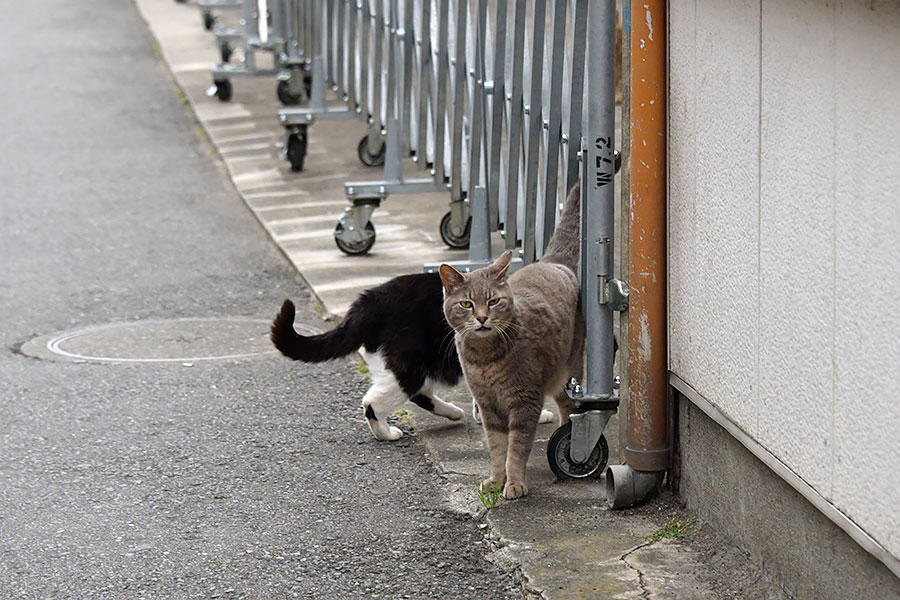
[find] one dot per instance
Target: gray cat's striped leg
(522, 427)
(497, 440)
(426, 399)
(382, 399)
(564, 404)
(546, 415)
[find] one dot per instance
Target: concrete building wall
(784, 235)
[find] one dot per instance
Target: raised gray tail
(340, 341)
(565, 246)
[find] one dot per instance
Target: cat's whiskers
(451, 337)
(507, 341)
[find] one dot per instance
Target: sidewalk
(562, 540)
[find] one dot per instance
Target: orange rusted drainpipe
(644, 323)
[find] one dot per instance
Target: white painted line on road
(249, 158)
(255, 175)
(192, 66)
(278, 194)
(346, 284)
(309, 219)
(301, 220)
(246, 148)
(293, 205)
(329, 233)
(339, 310)
(221, 112)
(246, 137)
(326, 177)
(238, 126)
(307, 235)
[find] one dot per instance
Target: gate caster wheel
(562, 465)
(456, 242)
(285, 95)
(307, 85)
(357, 248)
(208, 20)
(223, 89)
(296, 150)
(370, 160)
(225, 51)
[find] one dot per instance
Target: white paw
(392, 434)
(455, 413)
(546, 416)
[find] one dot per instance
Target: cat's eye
(465, 304)
(493, 301)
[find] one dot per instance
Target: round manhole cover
(168, 341)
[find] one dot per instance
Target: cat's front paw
(491, 484)
(455, 413)
(546, 416)
(515, 489)
(391, 435)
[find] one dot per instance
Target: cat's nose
(481, 319)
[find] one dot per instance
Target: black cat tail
(341, 341)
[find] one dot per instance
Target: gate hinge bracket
(616, 294)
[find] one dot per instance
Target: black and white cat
(408, 342)
(409, 347)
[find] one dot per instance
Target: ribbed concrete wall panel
(867, 278)
(796, 237)
(714, 301)
(784, 235)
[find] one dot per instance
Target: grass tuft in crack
(488, 497)
(403, 417)
(363, 369)
(675, 529)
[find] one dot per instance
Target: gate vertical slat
(532, 155)
(459, 99)
(554, 130)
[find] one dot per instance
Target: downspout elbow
(626, 487)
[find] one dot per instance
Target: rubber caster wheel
(225, 51)
(457, 242)
(223, 90)
(356, 248)
(296, 151)
(370, 160)
(208, 20)
(561, 463)
(285, 95)
(307, 85)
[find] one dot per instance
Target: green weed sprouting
(675, 529)
(403, 417)
(488, 497)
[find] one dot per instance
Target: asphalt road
(255, 479)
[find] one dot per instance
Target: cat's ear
(451, 277)
(501, 266)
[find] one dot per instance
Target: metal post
(598, 214)
(644, 324)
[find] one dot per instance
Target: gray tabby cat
(519, 338)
